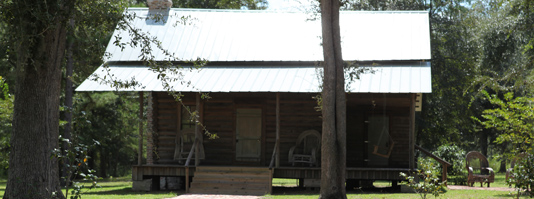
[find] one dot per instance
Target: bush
(425, 180)
(523, 175)
(456, 156)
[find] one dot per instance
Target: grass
(121, 188)
(117, 188)
(2, 187)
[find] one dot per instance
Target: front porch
(239, 179)
(275, 124)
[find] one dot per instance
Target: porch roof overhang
(414, 77)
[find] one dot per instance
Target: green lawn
(122, 188)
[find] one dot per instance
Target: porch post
(197, 130)
(140, 147)
(411, 132)
(277, 163)
(150, 126)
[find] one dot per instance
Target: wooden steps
(231, 180)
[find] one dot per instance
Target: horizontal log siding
(400, 128)
(219, 118)
(359, 107)
(166, 126)
(356, 135)
(297, 114)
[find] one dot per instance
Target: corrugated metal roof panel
(224, 35)
(384, 79)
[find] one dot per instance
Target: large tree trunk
(103, 163)
(484, 141)
(333, 150)
(39, 46)
(33, 172)
(68, 106)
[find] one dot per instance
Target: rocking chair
(307, 147)
(184, 143)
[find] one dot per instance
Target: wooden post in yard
(150, 117)
(187, 179)
(140, 147)
(444, 175)
(277, 163)
(411, 133)
(197, 131)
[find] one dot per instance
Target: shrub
(425, 180)
(456, 156)
(523, 175)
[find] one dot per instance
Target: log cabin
(263, 76)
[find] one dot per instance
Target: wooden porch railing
(273, 157)
(191, 152)
(444, 163)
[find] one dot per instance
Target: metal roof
(237, 35)
(411, 78)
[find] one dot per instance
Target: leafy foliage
(456, 156)
(108, 118)
(425, 180)
(504, 63)
(523, 175)
(76, 156)
(222, 4)
(94, 23)
(384, 5)
(513, 116)
(6, 116)
(445, 118)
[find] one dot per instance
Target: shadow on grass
(511, 194)
(294, 191)
(128, 191)
(309, 191)
(106, 184)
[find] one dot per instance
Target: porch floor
(361, 173)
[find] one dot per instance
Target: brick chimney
(159, 4)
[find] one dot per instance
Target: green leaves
(75, 158)
(522, 176)
(514, 117)
(6, 118)
(425, 179)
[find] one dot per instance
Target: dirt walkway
(210, 196)
(460, 187)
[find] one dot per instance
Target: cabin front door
(248, 135)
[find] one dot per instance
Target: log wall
(297, 114)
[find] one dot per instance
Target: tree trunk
(502, 168)
(33, 172)
(103, 163)
(333, 150)
(484, 141)
(68, 106)
(38, 32)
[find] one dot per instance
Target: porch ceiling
(412, 78)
